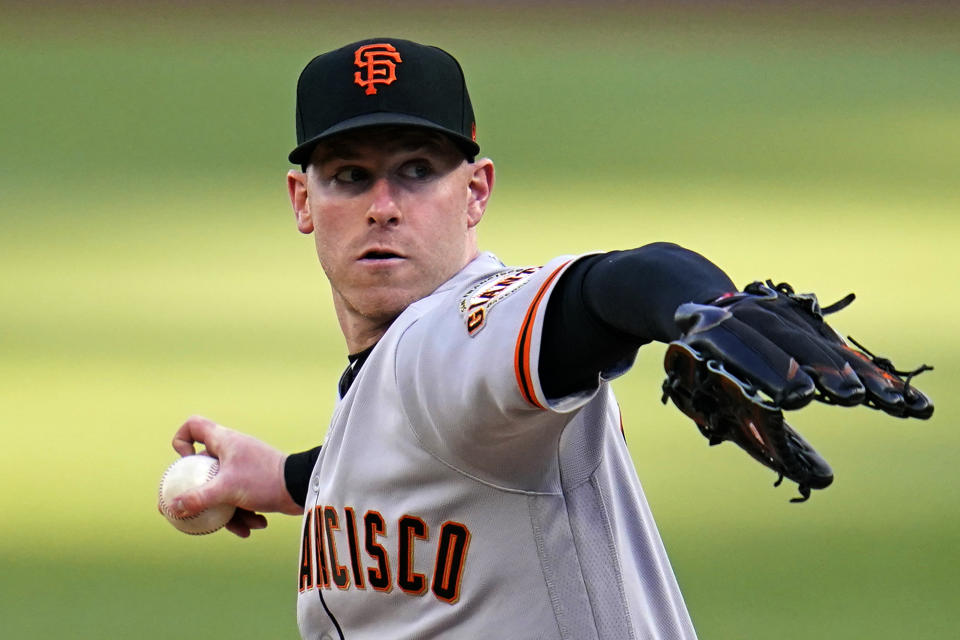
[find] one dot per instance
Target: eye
(350, 175)
(416, 170)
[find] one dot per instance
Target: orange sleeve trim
(522, 353)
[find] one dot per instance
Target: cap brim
(301, 154)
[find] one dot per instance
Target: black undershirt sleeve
(296, 473)
(606, 306)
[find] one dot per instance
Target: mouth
(377, 255)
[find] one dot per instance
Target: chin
(386, 307)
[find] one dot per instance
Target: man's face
(392, 212)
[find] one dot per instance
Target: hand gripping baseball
(748, 356)
(251, 476)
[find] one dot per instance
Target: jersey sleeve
(467, 370)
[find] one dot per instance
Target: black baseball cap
(383, 81)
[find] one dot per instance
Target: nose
(383, 207)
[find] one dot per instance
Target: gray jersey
(451, 499)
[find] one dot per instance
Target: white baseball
(183, 475)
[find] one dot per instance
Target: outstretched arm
(736, 360)
(251, 476)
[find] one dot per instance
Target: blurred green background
(151, 269)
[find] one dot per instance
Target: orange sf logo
(379, 61)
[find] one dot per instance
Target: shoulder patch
(477, 302)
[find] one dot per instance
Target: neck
(363, 334)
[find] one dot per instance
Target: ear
(297, 188)
(479, 189)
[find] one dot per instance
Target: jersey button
(316, 487)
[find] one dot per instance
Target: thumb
(192, 502)
(691, 317)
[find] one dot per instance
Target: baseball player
(474, 481)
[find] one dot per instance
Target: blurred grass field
(151, 270)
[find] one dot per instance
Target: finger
(883, 388)
(918, 405)
(747, 353)
(251, 519)
(244, 521)
(832, 374)
(887, 391)
(195, 429)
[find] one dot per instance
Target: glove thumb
(691, 317)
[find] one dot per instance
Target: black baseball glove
(746, 357)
